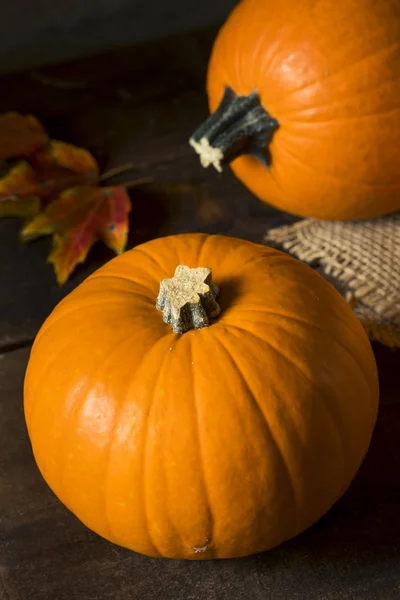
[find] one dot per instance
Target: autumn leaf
(18, 192)
(19, 181)
(56, 186)
(59, 166)
(60, 155)
(51, 170)
(20, 135)
(77, 219)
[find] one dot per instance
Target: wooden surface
(141, 105)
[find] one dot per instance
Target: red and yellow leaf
(20, 135)
(60, 155)
(50, 171)
(77, 219)
(20, 181)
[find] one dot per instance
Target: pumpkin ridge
(150, 256)
(136, 283)
(301, 370)
(78, 406)
(106, 302)
(340, 72)
(337, 104)
(278, 351)
(336, 339)
(145, 457)
(118, 410)
(264, 421)
(331, 415)
(266, 341)
(269, 255)
(206, 492)
(366, 377)
(289, 30)
(305, 323)
(40, 379)
(76, 309)
(347, 182)
(104, 275)
(200, 251)
(143, 296)
(343, 119)
(107, 467)
(269, 56)
(200, 237)
(257, 48)
(265, 311)
(132, 383)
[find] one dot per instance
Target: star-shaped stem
(188, 299)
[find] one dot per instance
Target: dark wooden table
(141, 105)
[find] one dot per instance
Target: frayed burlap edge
(362, 260)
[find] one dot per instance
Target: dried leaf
(50, 171)
(20, 181)
(60, 166)
(77, 219)
(20, 135)
(61, 179)
(66, 156)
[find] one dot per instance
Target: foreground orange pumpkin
(311, 109)
(218, 441)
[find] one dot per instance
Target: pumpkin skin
(329, 72)
(217, 443)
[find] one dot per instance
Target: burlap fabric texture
(361, 258)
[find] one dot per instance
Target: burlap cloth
(362, 260)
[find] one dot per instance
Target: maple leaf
(58, 157)
(78, 218)
(20, 135)
(43, 175)
(19, 181)
(61, 180)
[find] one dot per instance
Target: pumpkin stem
(187, 300)
(240, 125)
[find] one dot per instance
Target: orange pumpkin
(310, 116)
(215, 441)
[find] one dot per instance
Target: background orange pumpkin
(328, 71)
(219, 442)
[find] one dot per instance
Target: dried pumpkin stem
(240, 125)
(188, 299)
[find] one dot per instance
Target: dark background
(38, 32)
